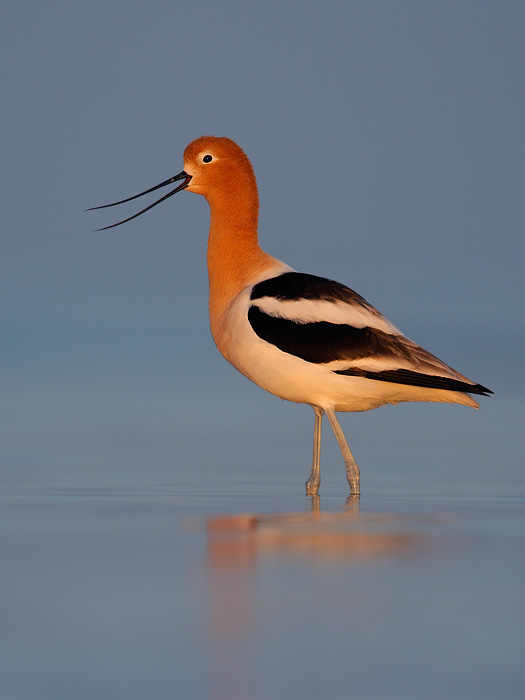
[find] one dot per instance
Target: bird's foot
(312, 486)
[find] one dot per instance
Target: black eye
(207, 159)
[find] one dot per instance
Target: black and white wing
(324, 322)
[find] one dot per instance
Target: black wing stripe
(321, 341)
(406, 376)
(293, 286)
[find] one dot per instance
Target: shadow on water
(326, 540)
(238, 540)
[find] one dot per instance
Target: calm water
(174, 591)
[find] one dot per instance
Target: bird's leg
(352, 470)
(316, 506)
(314, 480)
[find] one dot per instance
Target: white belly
(288, 376)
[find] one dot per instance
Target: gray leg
(314, 480)
(352, 470)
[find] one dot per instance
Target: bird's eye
(207, 159)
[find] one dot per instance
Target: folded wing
(324, 322)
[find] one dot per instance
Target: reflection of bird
(304, 338)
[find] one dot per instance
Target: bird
(304, 338)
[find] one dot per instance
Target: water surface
(176, 592)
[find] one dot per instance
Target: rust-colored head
(219, 147)
(217, 168)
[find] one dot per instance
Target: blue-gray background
(388, 142)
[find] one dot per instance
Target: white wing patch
(339, 312)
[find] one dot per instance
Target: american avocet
(303, 338)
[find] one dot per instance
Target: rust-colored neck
(235, 258)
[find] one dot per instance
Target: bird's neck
(235, 258)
